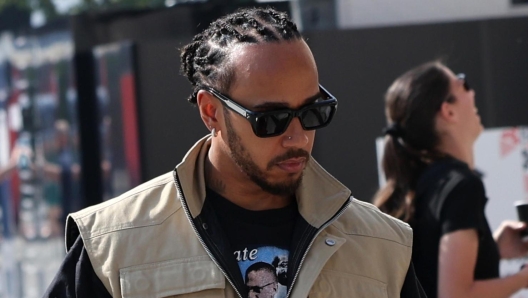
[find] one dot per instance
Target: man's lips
(292, 165)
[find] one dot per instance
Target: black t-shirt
(450, 197)
(260, 241)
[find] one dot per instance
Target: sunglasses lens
(271, 124)
(317, 116)
(462, 77)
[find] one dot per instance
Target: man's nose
(295, 135)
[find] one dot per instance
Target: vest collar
(319, 197)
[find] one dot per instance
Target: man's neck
(238, 188)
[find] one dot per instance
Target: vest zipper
(326, 224)
(188, 214)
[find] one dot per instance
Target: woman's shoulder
(450, 171)
(449, 183)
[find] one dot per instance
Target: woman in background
(429, 167)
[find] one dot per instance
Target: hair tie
(394, 130)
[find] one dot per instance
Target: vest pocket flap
(172, 277)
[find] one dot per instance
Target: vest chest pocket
(337, 284)
(190, 277)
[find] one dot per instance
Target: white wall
(375, 13)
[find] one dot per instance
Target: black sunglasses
(462, 77)
(274, 123)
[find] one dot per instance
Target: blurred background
(92, 102)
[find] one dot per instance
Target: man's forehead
(264, 56)
(273, 72)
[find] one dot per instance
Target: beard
(241, 157)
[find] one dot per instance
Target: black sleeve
(76, 277)
(411, 286)
(463, 207)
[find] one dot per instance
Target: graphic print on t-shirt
(260, 242)
(264, 270)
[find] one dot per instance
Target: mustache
(292, 153)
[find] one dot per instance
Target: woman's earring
(213, 132)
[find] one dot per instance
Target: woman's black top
(450, 197)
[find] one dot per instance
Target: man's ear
(447, 112)
(208, 107)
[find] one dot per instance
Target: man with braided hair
(245, 194)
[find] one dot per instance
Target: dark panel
(508, 46)
(170, 125)
(90, 162)
(153, 26)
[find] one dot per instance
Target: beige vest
(142, 244)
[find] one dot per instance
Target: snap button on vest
(205, 226)
(330, 242)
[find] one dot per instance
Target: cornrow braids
(204, 60)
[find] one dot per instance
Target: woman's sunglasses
(274, 123)
(462, 77)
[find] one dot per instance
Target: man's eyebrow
(283, 105)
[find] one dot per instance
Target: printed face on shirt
(261, 283)
(263, 265)
(281, 267)
(271, 76)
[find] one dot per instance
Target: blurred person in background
(428, 163)
(12, 160)
(10, 167)
(245, 194)
(62, 173)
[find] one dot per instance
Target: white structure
(377, 13)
